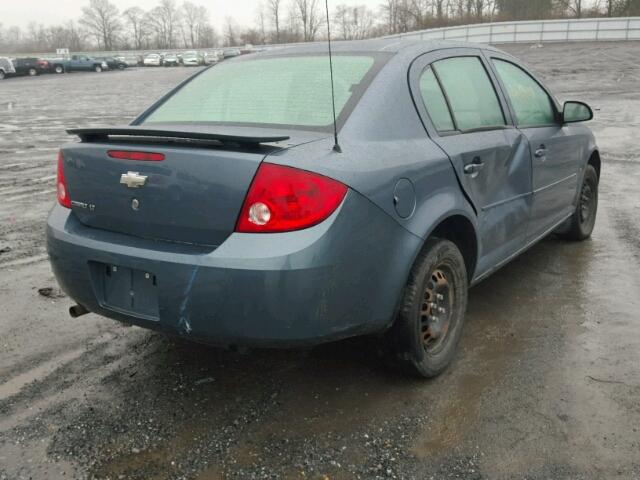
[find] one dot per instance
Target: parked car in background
(6, 67)
(231, 52)
(211, 58)
(192, 59)
(152, 60)
(171, 60)
(113, 63)
(77, 63)
(30, 66)
(130, 60)
(449, 160)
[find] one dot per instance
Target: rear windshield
(293, 91)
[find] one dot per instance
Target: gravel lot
(546, 384)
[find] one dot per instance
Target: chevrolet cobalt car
(230, 213)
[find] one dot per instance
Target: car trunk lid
(193, 195)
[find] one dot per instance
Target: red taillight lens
(142, 156)
(282, 199)
(61, 184)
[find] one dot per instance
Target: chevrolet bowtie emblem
(133, 179)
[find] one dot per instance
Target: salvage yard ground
(546, 384)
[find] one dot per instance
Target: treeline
(102, 26)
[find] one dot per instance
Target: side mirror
(576, 112)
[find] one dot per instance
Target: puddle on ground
(456, 412)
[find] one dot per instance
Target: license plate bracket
(127, 290)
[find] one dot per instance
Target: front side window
(435, 102)
(531, 104)
(288, 91)
(473, 100)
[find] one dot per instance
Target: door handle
(474, 167)
(541, 152)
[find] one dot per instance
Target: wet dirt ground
(546, 384)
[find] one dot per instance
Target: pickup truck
(77, 63)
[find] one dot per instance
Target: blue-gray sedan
(228, 212)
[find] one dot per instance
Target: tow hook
(77, 311)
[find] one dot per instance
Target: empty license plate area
(126, 290)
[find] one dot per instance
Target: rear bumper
(337, 279)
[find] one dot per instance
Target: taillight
(61, 184)
(281, 199)
(141, 156)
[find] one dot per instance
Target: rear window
(292, 91)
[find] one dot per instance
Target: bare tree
(194, 20)
(102, 20)
(274, 9)
(307, 13)
(609, 8)
(261, 22)
(208, 37)
(478, 9)
(67, 36)
(353, 22)
(390, 11)
(163, 20)
(230, 32)
(134, 17)
(576, 7)
(401, 15)
(571, 7)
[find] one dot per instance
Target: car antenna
(336, 145)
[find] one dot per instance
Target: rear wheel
(1, 75)
(33, 72)
(98, 68)
(58, 69)
(425, 334)
(580, 225)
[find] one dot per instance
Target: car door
(554, 156)
(467, 117)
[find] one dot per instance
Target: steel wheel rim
(436, 309)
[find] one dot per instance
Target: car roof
(389, 45)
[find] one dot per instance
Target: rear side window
(473, 100)
(435, 102)
(289, 91)
(530, 102)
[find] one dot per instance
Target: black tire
(580, 225)
(58, 69)
(1, 74)
(33, 72)
(426, 332)
(97, 68)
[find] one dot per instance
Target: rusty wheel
(428, 327)
(435, 314)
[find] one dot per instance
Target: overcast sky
(21, 12)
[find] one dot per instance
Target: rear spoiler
(103, 134)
